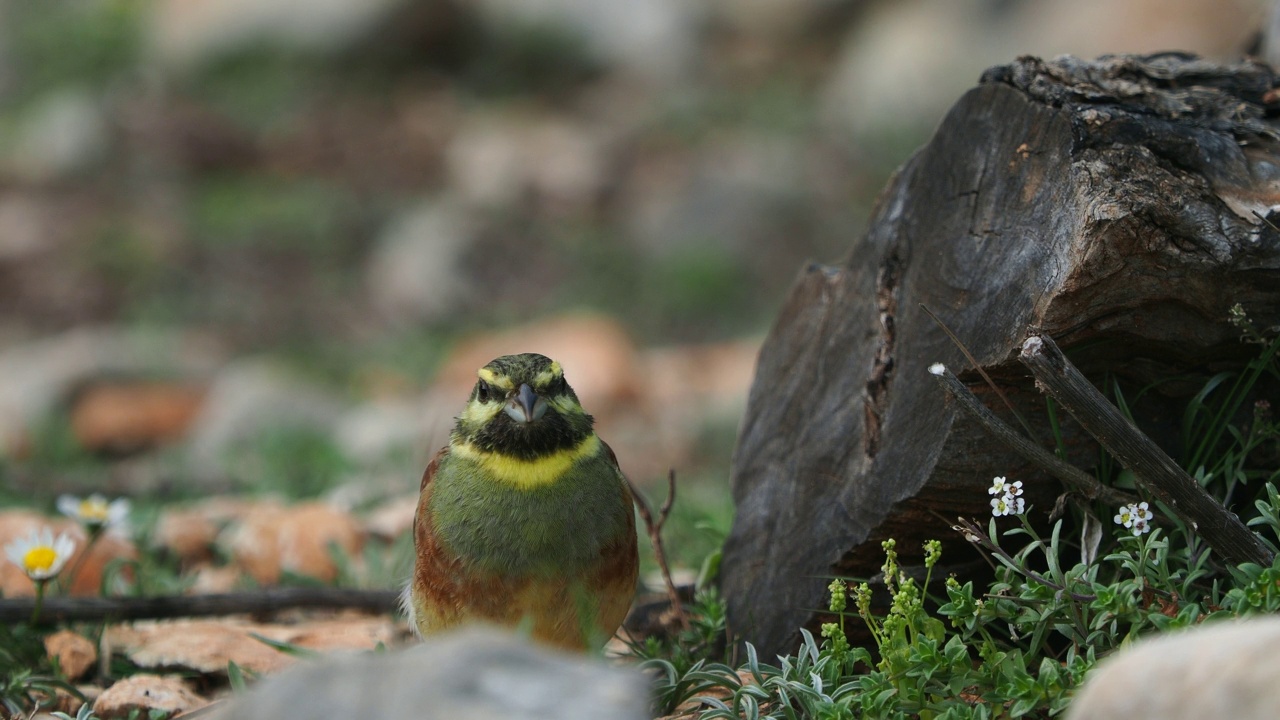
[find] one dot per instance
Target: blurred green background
(320, 204)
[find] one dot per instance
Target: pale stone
(75, 653)
(467, 675)
(146, 693)
(206, 646)
(1219, 670)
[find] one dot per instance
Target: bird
(524, 519)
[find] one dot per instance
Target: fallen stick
(1154, 470)
(98, 609)
(1072, 478)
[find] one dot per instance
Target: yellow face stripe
(478, 413)
(553, 372)
(500, 382)
(526, 474)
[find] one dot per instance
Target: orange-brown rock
(188, 533)
(271, 539)
(74, 652)
(128, 416)
(144, 693)
(206, 646)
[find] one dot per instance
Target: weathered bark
(1108, 204)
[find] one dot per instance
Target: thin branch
(98, 609)
(654, 528)
(1073, 478)
(1154, 470)
(974, 534)
(978, 366)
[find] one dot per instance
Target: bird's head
(522, 406)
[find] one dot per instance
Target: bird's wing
(430, 473)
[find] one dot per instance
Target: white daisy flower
(40, 555)
(94, 512)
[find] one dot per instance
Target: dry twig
(654, 528)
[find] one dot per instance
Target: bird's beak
(526, 405)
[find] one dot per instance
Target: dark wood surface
(1108, 204)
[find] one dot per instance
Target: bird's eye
(482, 391)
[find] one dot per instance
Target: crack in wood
(881, 374)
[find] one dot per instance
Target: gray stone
(184, 34)
(247, 398)
(62, 133)
(467, 675)
(652, 39)
(415, 272)
(1221, 670)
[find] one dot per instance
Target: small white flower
(1018, 505)
(1001, 506)
(39, 555)
(1140, 526)
(1125, 516)
(95, 512)
(1142, 512)
(998, 486)
(1013, 489)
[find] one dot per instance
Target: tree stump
(1116, 205)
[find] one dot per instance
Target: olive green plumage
(524, 518)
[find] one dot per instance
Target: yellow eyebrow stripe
(494, 379)
(527, 474)
(545, 377)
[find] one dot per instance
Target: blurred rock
(246, 399)
(190, 32)
(495, 161)
(393, 518)
(474, 673)
(415, 271)
(124, 417)
(188, 534)
(271, 539)
(371, 432)
(905, 63)
(74, 652)
(209, 579)
(41, 374)
(28, 221)
(1219, 670)
(61, 134)
(652, 39)
(141, 694)
(780, 22)
(733, 193)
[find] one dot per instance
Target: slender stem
(969, 528)
(35, 611)
(1073, 478)
(95, 532)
